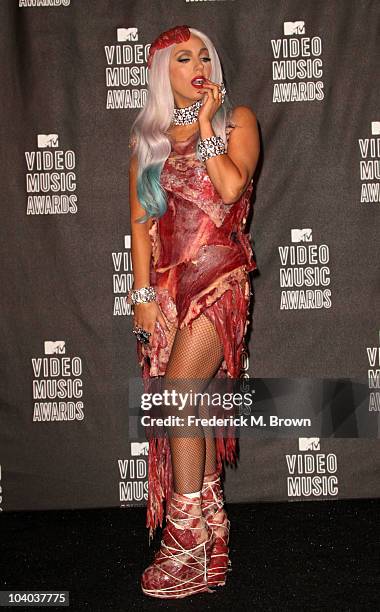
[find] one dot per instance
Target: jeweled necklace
(186, 115)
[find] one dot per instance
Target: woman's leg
(180, 567)
(210, 460)
(195, 357)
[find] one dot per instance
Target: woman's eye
(186, 59)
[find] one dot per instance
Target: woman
(191, 263)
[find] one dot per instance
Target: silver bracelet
(138, 296)
(210, 147)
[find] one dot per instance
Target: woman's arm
(140, 239)
(231, 173)
(146, 314)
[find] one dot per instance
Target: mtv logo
(306, 444)
(375, 128)
(139, 448)
(301, 235)
(294, 27)
(54, 347)
(124, 34)
(47, 141)
(127, 241)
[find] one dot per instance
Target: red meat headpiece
(173, 36)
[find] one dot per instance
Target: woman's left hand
(212, 101)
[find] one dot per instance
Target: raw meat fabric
(201, 259)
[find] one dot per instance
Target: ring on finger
(141, 334)
(222, 91)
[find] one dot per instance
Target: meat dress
(201, 259)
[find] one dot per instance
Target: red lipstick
(198, 81)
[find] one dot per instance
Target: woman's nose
(199, 67)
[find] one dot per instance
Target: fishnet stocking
(195, 357)
(210, 458)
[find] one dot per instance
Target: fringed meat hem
(226, 306)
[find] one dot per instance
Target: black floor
(285, 556)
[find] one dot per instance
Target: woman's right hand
(146, 314)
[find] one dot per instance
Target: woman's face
(187, 60)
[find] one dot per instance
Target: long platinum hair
(148, 139)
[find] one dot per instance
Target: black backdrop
(73, 76)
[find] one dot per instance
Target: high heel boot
(179, 567)
(216, 517)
